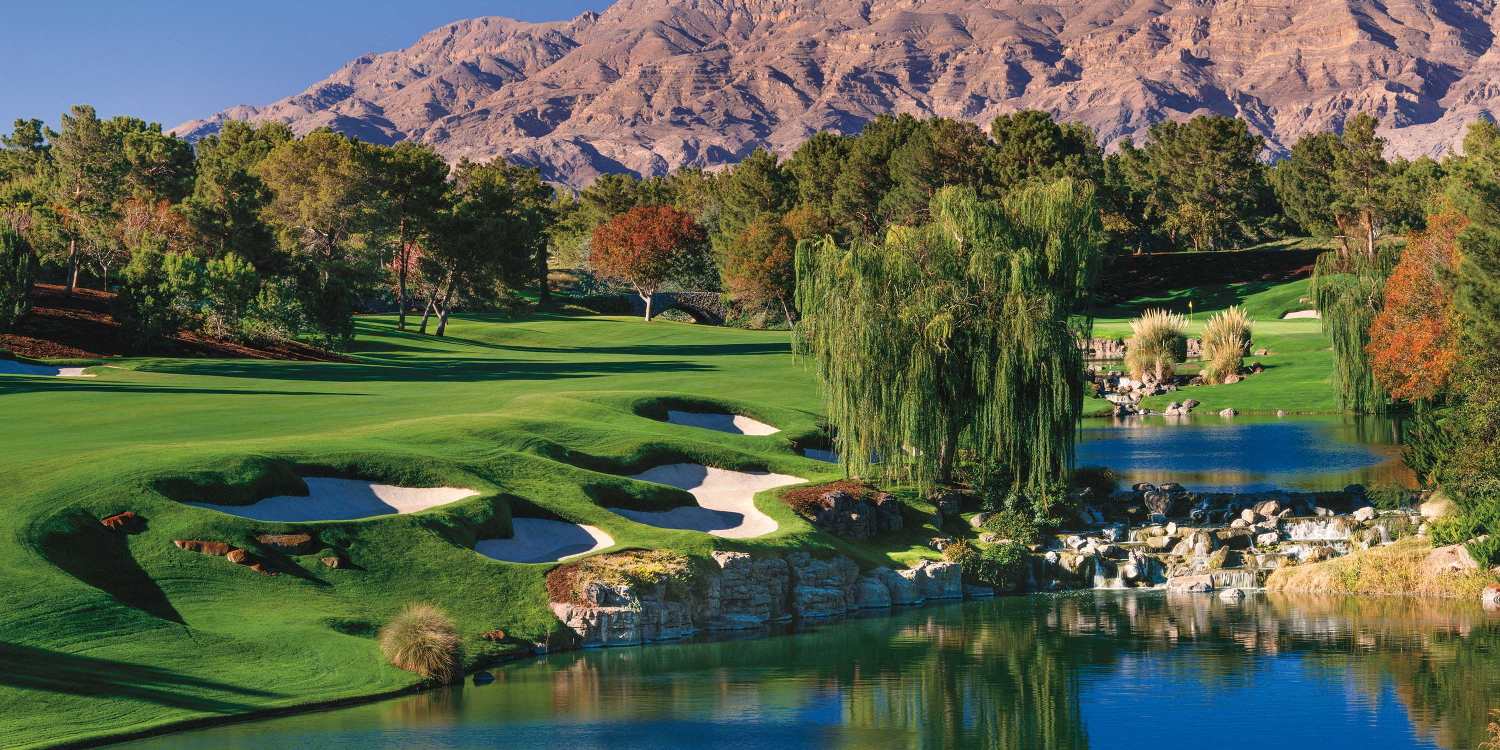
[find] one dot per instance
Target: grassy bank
(1394, 569)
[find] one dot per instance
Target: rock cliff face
(651, 85)
(745, 593)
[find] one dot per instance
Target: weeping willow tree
(956, 332)
(1348, 292)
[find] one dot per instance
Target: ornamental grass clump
(1158, 346)
(422, 639)
(1226, 339)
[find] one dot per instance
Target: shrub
(17, 274)
(1226, 340)
(275, 314)
(328, 309)
(421, 639)
(567, 583)
(1002, 565)
(159, 294)
(513, 305)
(229, 289)
(1014, 525)
(1100, 479)
(1159, 344)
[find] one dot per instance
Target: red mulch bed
(80, 327)
(804, 500)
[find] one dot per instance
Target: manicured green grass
(1297, 367)
(105, 634)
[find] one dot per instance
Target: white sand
(12, 367)
(731, 423)
(540, 541)
(827, 457)
(726, 500)
(1301, 314)
(344, 500)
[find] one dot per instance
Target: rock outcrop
(652, 85)
(743, 592)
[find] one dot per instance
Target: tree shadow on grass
(30, 668)
(83, 548)
(444, 370)
(15, 386)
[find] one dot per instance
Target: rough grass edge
(1397, 568)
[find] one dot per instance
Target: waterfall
(1319, 529)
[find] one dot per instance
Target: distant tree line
(255, 233)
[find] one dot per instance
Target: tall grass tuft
(423, 640)
(1159, 345)
(1226, 340)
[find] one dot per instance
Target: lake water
(1249, 453)
(1087, 669)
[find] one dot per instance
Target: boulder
(1268, 507)
(1490, 597)
(1260, 353)
(1143, 487)
(818, 601)
(1075, 542)
(261, 567)
(1191, 584)
(338, 561)
(1249, 516)
(241, 557)
(843, 515)
(939, 580)
(1191, 403)
(887, 512)
(871, 593)
(125, 523)
(495, 636)
(949, 503)
(601, 626)
(1232, 595)
(1115, 533)
(901, 585)
(289, 544)
(1364, 514)
(218, 549)
(1280, 413)
(1437, 506)
(1157, 502)
(1454, 558)
(1267, 539)
(1229, 412)
(979, 518)
(940, 543)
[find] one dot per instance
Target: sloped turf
(105, 634)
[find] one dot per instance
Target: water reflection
(1089, 669)
(1250, 453)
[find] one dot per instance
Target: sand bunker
(726, 500)
(344, 500)
(731, 423)
(12, 367)
(540, 541)
(1301, 314)
(827, 457)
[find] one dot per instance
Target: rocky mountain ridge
(651, 85)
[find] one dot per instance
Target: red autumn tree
(643, 246)
(759, 264)
(1414, 339)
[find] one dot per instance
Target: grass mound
(1393, 569)
(421, 639)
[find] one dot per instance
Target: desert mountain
(651, 85)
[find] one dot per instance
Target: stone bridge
(706, 308)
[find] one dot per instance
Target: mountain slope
(651, 85)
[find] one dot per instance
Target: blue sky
(170, 62)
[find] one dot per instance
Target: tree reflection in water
(1043, 671)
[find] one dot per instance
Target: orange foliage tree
(643, 246)
(1414, 339)
(759, 264)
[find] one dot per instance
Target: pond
(1089, 669)
(1249, 453)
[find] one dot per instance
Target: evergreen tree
(411, 180)
(1359, 176)
(90, 174)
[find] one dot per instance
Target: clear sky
(169, 62)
